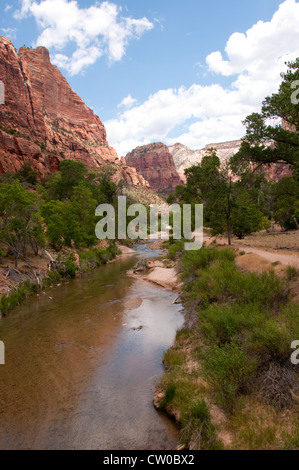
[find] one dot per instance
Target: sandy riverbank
(161, 272)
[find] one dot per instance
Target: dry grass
(39, 263)
(256, 425)
(282, 241)
(252, 262)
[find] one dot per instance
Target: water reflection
(77, 374)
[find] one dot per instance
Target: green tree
(102, 186)
(60, 186)
(286, 203)
(246, 216)
(266, 141)
(28, 175)
(211, 185)
(54, 214)
(71, 222)
(20, 220)
(229, 206)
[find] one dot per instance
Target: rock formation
(184, 157)
(155, 163)
(44, 121)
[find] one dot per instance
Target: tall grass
(16, 296)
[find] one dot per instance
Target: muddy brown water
(77, 373)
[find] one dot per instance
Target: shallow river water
(77, 374)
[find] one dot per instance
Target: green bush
(244, 316)
(53, 276)
(220, 324)
(174, 358)
(228, 369)
(201, 259)
(175, 248)
(271, 341)
(97, 257)
(70, 268)
(222, 282)
(291, 273)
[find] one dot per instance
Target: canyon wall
(184, 157)
(43, 121)
(155, 163)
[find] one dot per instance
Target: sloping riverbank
(229, 380)
(50, 268)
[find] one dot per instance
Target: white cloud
(264, 47)
(10, 33)
(127, 102)
(7, 7)
(254, 61)
(163, 111)
(95, 31)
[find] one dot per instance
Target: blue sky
(163, 69)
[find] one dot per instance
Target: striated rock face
(224, 150)
(44, 121)
(130, 176)
(184, 157)
(155, 163)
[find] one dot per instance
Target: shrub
(203, 258)
(70, 268)
(222, 282)
(220, 324)
(175, 248)
(53, 276)
(228, 369)
(291, 273)
(271, 341)
(97, 257)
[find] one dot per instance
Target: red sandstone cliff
(44, 121)
(155, 163)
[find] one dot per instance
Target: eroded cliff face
(184, 157)
(44, 121)
(155, 163)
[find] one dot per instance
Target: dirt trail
(287, 260)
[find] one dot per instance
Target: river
(77, 373)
